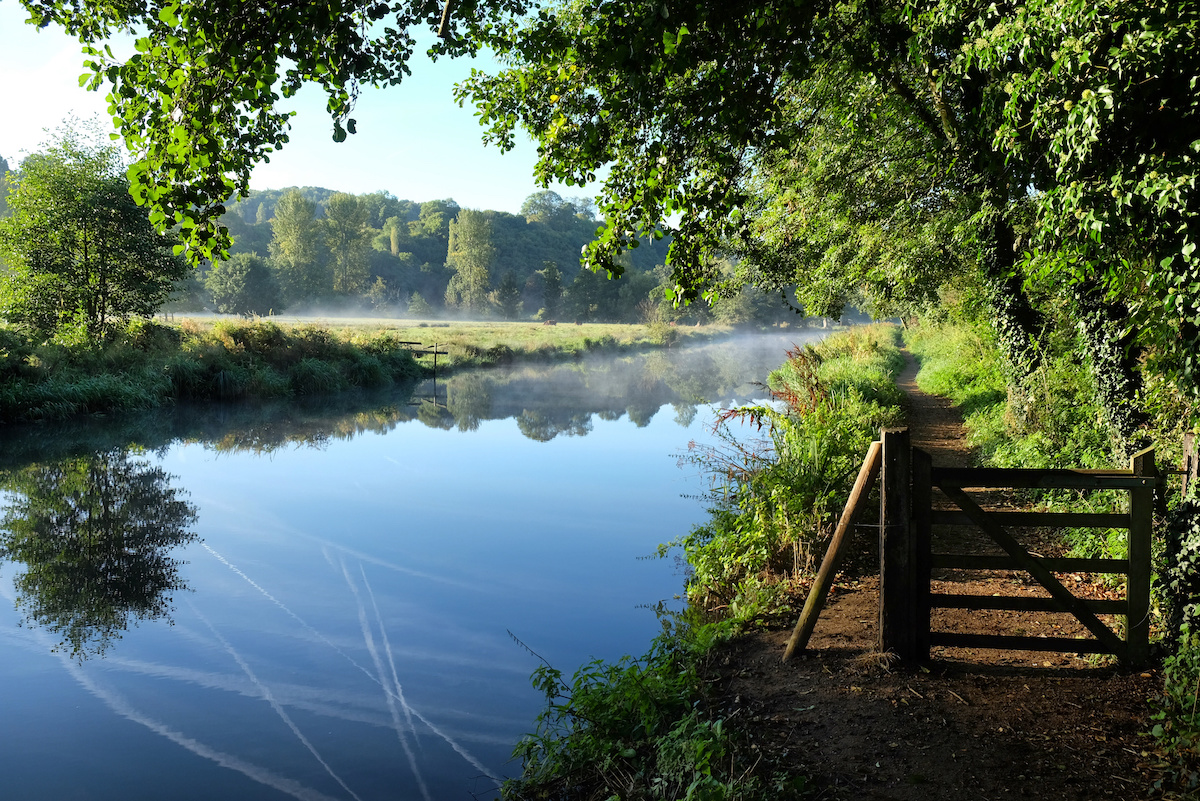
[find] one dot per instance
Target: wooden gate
(907, 560)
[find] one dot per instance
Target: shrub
(148, 336)
(14, 353)
(775, 499)
(636, 728)
(1177, 711)
(312, 377)
(367, 371)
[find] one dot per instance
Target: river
(340, 599)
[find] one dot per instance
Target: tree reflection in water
(94, 534)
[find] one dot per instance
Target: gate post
(922, 535)
(1137, 586)
(897, 557)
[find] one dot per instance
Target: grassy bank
(490, 343)
(644, 728)
(150, 364)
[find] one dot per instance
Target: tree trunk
(1018, 324)
(1114, 360)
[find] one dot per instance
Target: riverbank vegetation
(644, 728)
(784, 471)
(148, 364)
(488, 343)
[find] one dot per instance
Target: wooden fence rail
(819, 591)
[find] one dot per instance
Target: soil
(969, 723)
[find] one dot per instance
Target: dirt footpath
(971, 724)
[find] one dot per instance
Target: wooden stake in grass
(833, 556)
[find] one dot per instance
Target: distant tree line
(79, 255)
(309, 248)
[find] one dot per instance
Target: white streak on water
(119, 705)
(387, 649)
(458, 749)
(279, 710)
(470, 758)
(292, 614)
(388, 695)
(462, 752)
(355, 708)
(375, 560)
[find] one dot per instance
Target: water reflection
(95, 535)
(561, 400)
(361, 566)
(547, 401)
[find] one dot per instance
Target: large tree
(80, 253)
(470, 255)
(298, 252)
(349, 241)
(507, 296)
(243, 285)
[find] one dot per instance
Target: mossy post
(1191, 462)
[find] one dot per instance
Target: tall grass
(485, 344)
(1056, 420)
(151, 365)
(776, 497)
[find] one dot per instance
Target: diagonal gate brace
(1028, 563)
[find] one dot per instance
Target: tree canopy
(80, 253)
(470, 253)
(1045, 146)
(243, 285)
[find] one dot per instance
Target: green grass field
(491, 342)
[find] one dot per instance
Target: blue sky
(412, 140)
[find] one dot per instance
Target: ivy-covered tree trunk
(1018, 324)
(1114, 358)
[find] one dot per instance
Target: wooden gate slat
(1039, 519)
(1056, 564)
(1003, 477)
(1028, 563)
(1066, 645)
(1023, 603)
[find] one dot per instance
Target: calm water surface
(326, 603)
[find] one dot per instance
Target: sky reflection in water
(338, 618)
